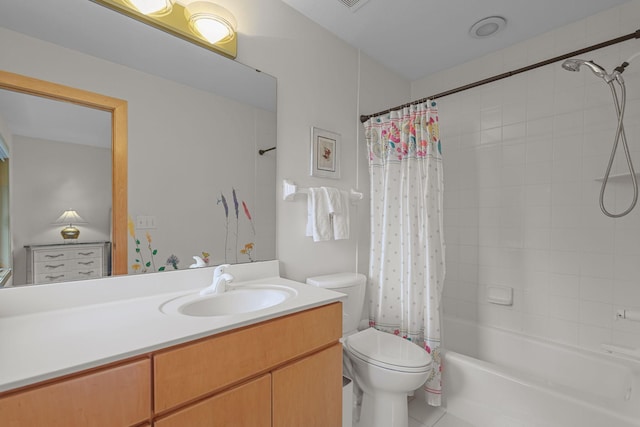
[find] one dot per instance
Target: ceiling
(420, 37)
(38, 117)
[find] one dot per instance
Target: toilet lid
(388, 351)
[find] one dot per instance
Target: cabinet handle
(85, 262)
(53, 266)
(53, 256)
(86, 273)
(54, 277)
(86, 253)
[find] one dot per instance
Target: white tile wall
(521, 200)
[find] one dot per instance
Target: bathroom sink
(243, 299)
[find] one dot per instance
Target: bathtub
(497, 378)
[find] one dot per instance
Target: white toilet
(387, 367)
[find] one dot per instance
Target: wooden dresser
(69, 261)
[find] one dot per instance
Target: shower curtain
(406, 267)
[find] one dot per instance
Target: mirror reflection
(197, 185)
(60, 162)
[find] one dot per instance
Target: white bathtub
(496, 378)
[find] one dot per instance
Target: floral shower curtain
(406, 267)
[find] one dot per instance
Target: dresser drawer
(86, 273)
(52, 255)
(85, 263)
(53, 266)
(87, 253)
(53, 277)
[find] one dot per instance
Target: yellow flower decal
(132, 227)
(247, 250)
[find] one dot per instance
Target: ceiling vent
(353, 5)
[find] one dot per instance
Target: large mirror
(197, 185)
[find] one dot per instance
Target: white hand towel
(318, 220)
(334, 200)
(341, 220)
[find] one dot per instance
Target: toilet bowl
(387, 368)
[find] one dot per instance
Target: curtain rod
(634, 35)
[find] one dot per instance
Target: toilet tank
(350, 284)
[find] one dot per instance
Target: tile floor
(422, 416)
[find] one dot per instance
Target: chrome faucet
(220, 281)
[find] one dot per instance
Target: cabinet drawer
(248, 405)
(194, 370)
(80, 263)
(53, 277)
(114, 397)
(95, 252)
(52, 255)
(86, 273)
(52, 266)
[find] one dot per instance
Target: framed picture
(325, 153)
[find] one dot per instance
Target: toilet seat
(388, 351)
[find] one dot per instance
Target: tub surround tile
(526, 153)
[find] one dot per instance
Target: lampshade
(152, 7)
(211, 21)
(70, 217)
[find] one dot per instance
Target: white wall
(322, 82)
(521, 159)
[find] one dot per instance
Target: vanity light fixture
(70, 217)
(213, 22)
(201, 22)
(152, 7)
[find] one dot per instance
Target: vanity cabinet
(115, 396)
(67, 262)
(283, 372)
(300, 354)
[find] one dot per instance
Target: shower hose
(620, 134)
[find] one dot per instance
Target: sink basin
(244, 299)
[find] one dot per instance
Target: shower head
(575, 64)
(572, 64)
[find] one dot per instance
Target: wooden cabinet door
(113, 397)
(247, 405)
(309, 392)
(186, 373)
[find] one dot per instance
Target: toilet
(387, 368)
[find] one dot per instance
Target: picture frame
(325, 153)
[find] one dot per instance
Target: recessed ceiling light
(487, 27)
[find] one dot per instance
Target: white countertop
(52, 330)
